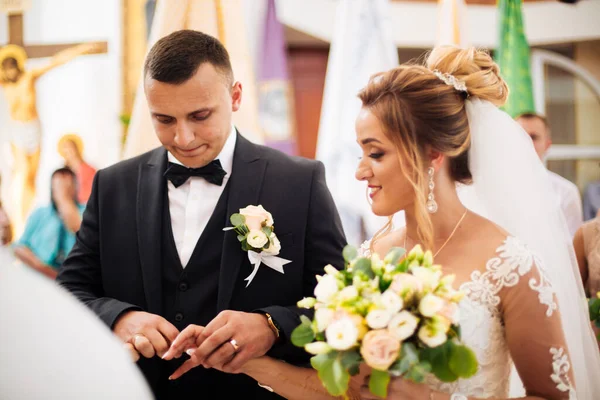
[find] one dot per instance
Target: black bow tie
(212, 172)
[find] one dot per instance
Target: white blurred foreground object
(53, 347)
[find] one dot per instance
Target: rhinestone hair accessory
(451, 80)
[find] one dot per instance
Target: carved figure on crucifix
(23, 127)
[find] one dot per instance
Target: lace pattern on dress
(482, 323)
(514, 260)
(560, 371)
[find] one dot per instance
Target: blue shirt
(47, 237)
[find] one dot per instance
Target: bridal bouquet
(398, 315)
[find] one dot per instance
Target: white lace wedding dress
(510, 313)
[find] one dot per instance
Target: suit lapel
(245, 186)
(151, 191)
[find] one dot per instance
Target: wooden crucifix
(15, 36)
(23, 127)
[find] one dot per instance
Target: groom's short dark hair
(175, 58)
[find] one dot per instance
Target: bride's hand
(249, 366)
(399, 388)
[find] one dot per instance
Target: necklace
(449, 237)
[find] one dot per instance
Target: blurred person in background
(70, 148)
(50, 230)
(587, 250)
(570, 200)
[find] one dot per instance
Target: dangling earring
(432, 206)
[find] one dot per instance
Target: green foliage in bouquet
(398, 315)
(594, 306)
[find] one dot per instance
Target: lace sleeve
(533, 325)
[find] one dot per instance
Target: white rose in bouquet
(342, 334)
(391, 301)
(317, 348)
(378, 319)
(403, 325)
(430, 305)
(432, 334)
(323, 317)
(326, 288)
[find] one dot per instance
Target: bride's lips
(373, 190)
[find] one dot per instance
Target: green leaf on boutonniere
(349, 253)
(246, 246)
(378, 383)
(267, 231)
(237, 220)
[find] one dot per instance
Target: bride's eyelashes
(374, 156)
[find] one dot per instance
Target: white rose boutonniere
(255, 230)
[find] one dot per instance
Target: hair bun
(475, 68)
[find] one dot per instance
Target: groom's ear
(236, 96)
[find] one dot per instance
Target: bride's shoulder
(486, 243)
(482, 237)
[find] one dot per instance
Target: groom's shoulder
(286, 163)
(131, 166)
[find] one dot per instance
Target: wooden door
(307, 68)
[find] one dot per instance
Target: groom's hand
(250, 332)
(147, 334)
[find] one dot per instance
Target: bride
(423, 129)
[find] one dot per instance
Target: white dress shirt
(570, 201)
(192, 204)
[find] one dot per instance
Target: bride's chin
(379, 211)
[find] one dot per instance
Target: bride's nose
(363, 172)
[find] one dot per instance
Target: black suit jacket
(115, 263)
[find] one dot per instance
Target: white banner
(361, 46)
(452, 16)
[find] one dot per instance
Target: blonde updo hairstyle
(419, 112)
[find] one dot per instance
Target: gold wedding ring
(236, 347)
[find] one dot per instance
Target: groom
(151, 256)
